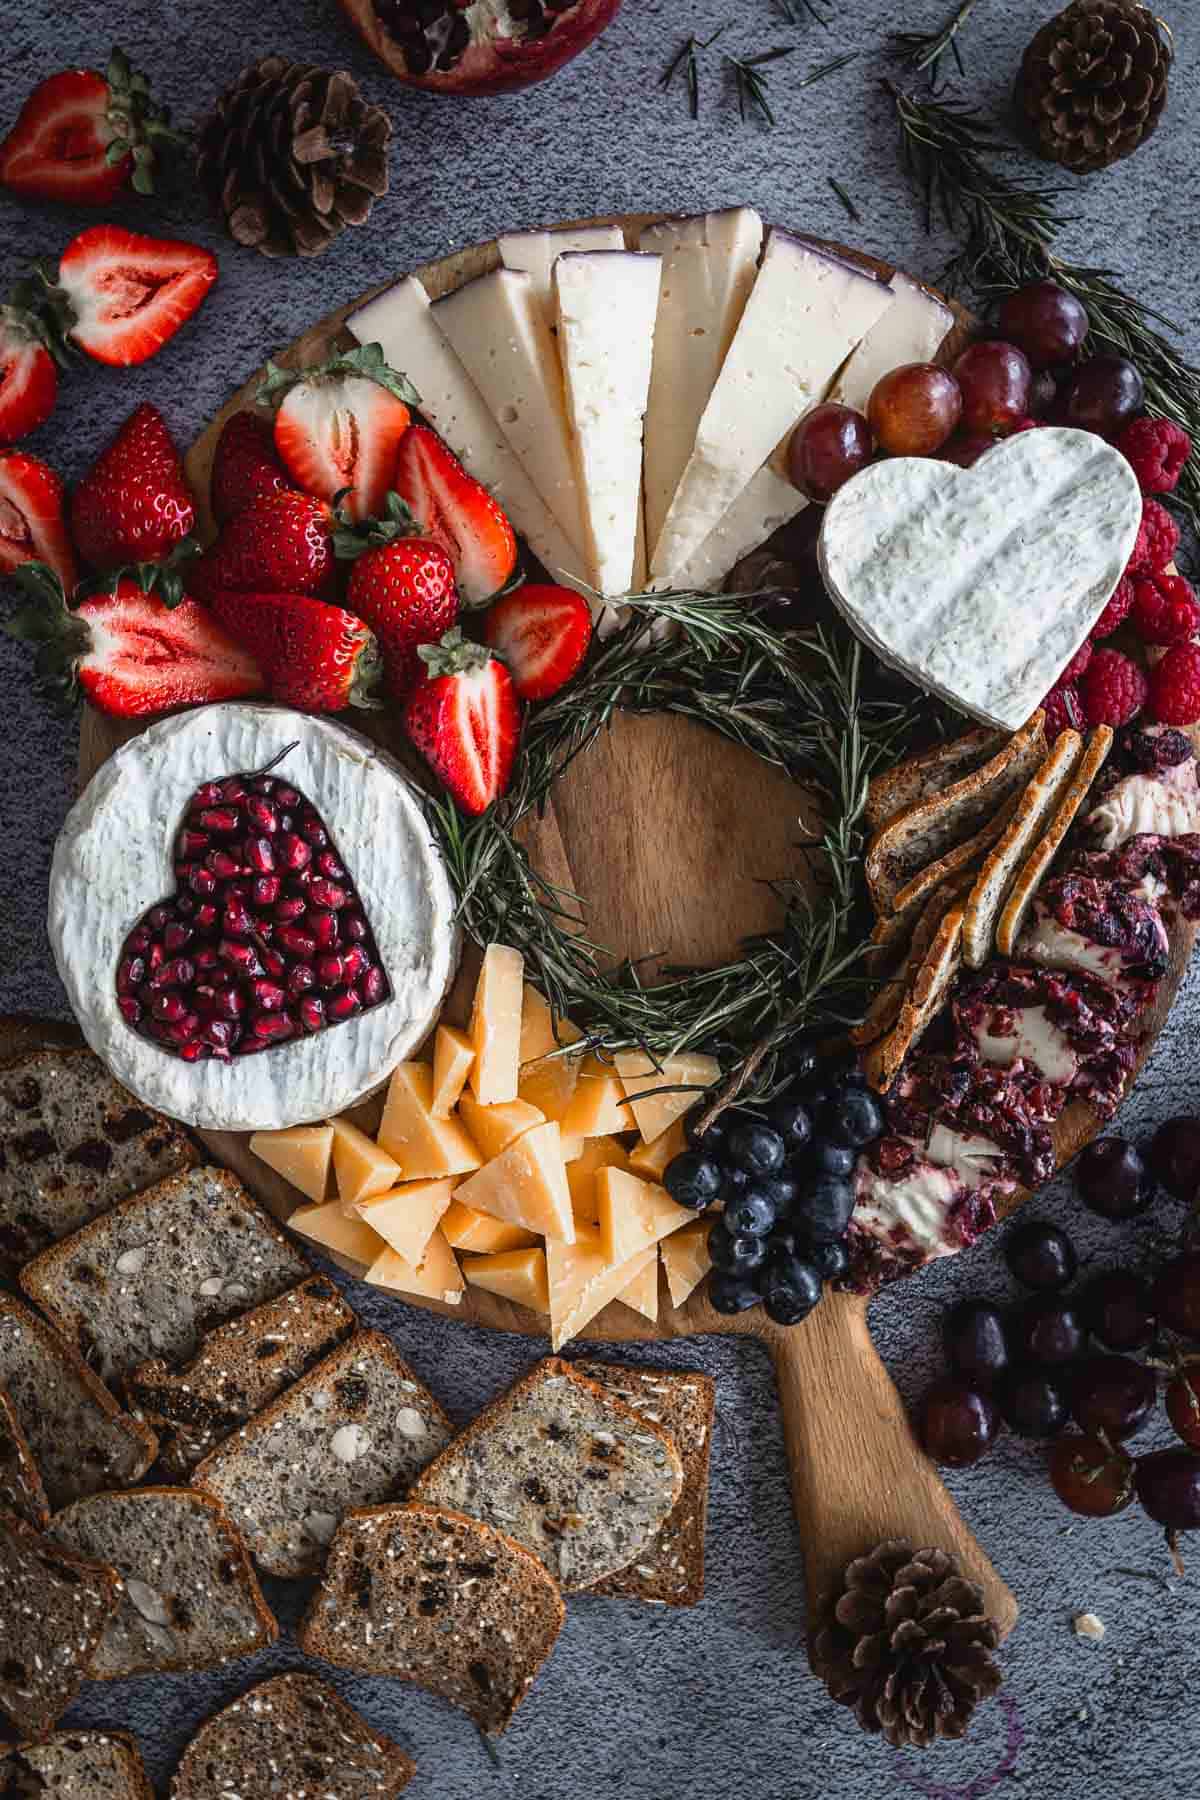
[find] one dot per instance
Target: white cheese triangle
(534, 253)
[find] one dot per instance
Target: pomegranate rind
(504, 66)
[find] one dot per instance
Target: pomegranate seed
(293, 907)
(193, 844)
(202, 882)
(228, 1003)
(268, 995)
(316, 834)
(324, 927)
(271, 1025)
(329, 969)
(237, 920)
(239, 956)
(262, 815)
(176, 936)
(207, 794)
(274, 964)
(328, 893)
(354, 961)
(343, 1004)
(168, 1004)
(287, 796)
(221, 818)
(179, 971)
(295, 942)
(328, 864)
(294, 853)
(204, 999)
(221, 1034)
(179, 1031)
(312, 1013)
(300, 978)
(131, 972)
(206, 916)
(205, 957)
(138, 939)
(156, 958)
(157, 917)
(260, 854)
(372, 987)
(239, 890)
(265, 890)
(220, 978)
(233, 789)
(193, 1052)
(354, 927)
(185, 905)
(224, 864)
(131, 1012)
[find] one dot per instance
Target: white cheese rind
(534, 253)
(113, 859)
(981, 584)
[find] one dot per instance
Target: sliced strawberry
(126, 295)
(245, 467)
(542, 633)
(32, 527)
(134, 504)
(465, 719)
(458, 511)
(82, 137)
(129, 653)
(338, 426)
(28, 376)
(280, 545)
(315, 656)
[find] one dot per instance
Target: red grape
(976, 1342)
(1091, 1477)
(1175, 1158)
(1177, 1294)
(1116, 1308)
(1041, 1256)
(1103, 395)
(1111, 1178)
(1183, 1404)
(996, 382)
(956, 1425)
(829, 445)
(1047, 1330)
(966, 448)
(1168, 1486)
(1113, 1395)
(1033, 1403)
(1047, 322)
(914, 409)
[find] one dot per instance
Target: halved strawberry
(245, 466)
(459, 513)
(542, 632)
(81, 137)
(131, 655)
(318, 657)
(465, 719)
(32, 527)
(338, 426)
(121, 296)
(134, 504)
(28, 377)
(280, 545)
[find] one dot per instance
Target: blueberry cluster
(784, 1180)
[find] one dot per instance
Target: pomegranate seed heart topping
(265, 940)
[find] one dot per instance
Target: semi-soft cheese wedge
(709, 264)
(527, 1185)
(360, 1167)
(301, 1154)
(598, 1105)
(423, 1148)
(466, 1229)
(534, 253)
(436, 1277)
(331, 1228)
(493, 1128)
(607, 302)
(807, 311)
(495, 1030)
(642, 1293)
(453, 1056)
(598, 1153)
(633, 1213)
(402, 322)
(650, 1160)
(659, 1096)
(407, 1217)
(686, 1260)
(517, 1275)
(582, 1281)
(498, 329)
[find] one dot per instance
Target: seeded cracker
(54, 1606)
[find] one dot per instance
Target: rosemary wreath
(801, 700)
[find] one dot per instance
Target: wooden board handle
(858, 1475)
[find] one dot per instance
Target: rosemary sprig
(921, 50)
(687, 59)
(788, 9)
(828, 68)
(751, 80)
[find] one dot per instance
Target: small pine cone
(907, 1645)
(1093, 82)
(290, 155)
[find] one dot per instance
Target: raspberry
(1116, 611)
(1165, 610)
(1063, 710)
(1157, 449)
(1175, 686)
(1113, 689)
(1157, 538)
(1076, 666)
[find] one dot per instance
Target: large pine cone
(908, 1646)
(1093, 82)
(291, 155)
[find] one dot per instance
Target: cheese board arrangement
(764, 852)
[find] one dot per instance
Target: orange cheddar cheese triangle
(526, 1184)
(424, 1148)
(406, 1217)
(300, 1154)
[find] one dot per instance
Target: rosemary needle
(788, 9)
(687, 59)
(844, 197)
(925, 50)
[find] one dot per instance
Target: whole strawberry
(314, 656)
(280, 545)
(245, 467)
(134, 504)
(404, 588)
(465, 719)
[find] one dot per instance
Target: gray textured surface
(719, 1700)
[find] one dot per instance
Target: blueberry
(735, 1255)
(833, 1159)
(732, 1293)
(693, 1179)
(853, 1116)
(815, 1099)
(713, 1140)
(801, 1062)
(830, 1260)
(783, 1189)
(734, 1183)
(824, 1208)
(753, 1212)
(784, 1241)
(791, 1289)
(792, 1121)
(757, 1149)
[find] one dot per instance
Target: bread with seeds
(55, 1606)
(425, 1595)
(77, 1765)
(928, 772)
(357, 1429)
(21, 1490)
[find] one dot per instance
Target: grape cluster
(784, 1181)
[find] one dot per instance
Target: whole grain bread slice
(239, 1368)
(1036, 868)
(670, 1569)
(81, 1440)
(355, 1430)
(148, 1277)
(73, 1141)
(567, 1469)
(963, 857)
(312, 1742)
(190, 1599)
(54, 1608)
(888, 1001)
(21, 1490)
(1002, 865)
(78, 1765)
(429, 1596)
(929, 772)
(930, 986)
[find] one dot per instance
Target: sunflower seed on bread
(1003, 864)
(1027, 883)
(425, 1595)
(929, 988)
(190, 1599)
(239, 1368)
(55, 1606)
(21, 1490)
(963, 857)
(82, 1442)
(146, 1278)
(927, 831)
(75, 1141)
(355, 1430)
(564, 1467)
(670, 1569)
(78, 1765)
(928, 772)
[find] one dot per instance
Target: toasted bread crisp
(1003, 864)
(963, 857)
(1034, 872)
(54, 1608)
(928, 772)
(886, 1006)
(21, 1490)
(929, 989)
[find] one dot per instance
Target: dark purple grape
(830, 444)
(1168, 1486)
(1116, 1308)
(1047, 1331)
(995, 379)
(1090, 1476)
(1113, 1395)
(1033, 1403)
(1046, 321)
(956, 1424)
(976, 1342)
(1040, 1255)
(1042, 394)
(1111, 1178)
(1103, 395)
(966, 448)
(1176, 1294)
(1175, 1158)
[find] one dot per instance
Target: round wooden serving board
(669, 832)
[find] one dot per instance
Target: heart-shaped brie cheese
(981, 584)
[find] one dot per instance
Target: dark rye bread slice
(73, 1141)
(81, 1440)
(304, 1733)
(190, 1599)
(77, 1765)
(54, 1608)
(357, 1429)
(670, 1569)
(21, 1490)
(147, 1278)
(426, 1595)
(927, 772)
(564, 1467)
(239, 1368)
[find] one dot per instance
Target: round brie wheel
(114, 859)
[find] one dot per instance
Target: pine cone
(1093, 82)
(907, 1645)
(290, 155)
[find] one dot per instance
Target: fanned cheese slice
(424, 1148)
(360, 1167)
(406, 1218)
(598, 1106)
(496, 1025)
(686, 1260)
(650, 1160)
(466, 1229)
(653, 1109)
(453, 1055)
(332, 1229)
(582, 1281)
(633, 1213)
(494, 1128)
(436, 1277)
(527, 1185)
(518, 1275)
(642, 1293)
(301, 1154)
(534, 253)
(598, 1153)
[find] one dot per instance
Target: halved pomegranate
(478, 46)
